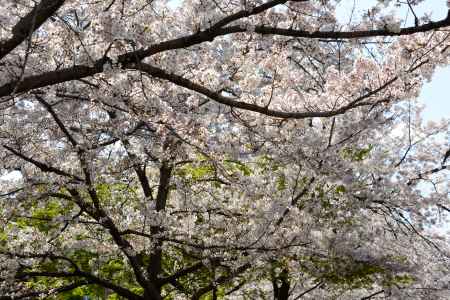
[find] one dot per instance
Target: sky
(435, 94)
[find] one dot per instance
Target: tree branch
(218, 97)
(101, 216)
(222, 279)
(81, 71)
(155, 265)
(58, 121)
(40, 13)
(42, 166)
(181, 273)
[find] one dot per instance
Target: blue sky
(436, 93)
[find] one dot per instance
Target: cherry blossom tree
(201, 149)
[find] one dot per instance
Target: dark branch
(58, 121)
(29, 23)
(81, 71)
(372, 295)
(218, 97)
(222, 279)
(181, 273)
(42, 166)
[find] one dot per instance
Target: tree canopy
(202, 149)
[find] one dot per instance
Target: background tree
(219, 150)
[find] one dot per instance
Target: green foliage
(281, 182)
(41, 216)
(3, 237)
(345, 273)
(340, 189)
(357, 154)
(78, 293)
(235, 165)
(220, 294)
(116, 193)
(356, 275)
(267, 164)
(198, 171)
(342, 272)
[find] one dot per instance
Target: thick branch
(90, 278)
(247, 13)
(426, 173)
(34, 18)
(337, 35)
(155, 266)
(209, 35)
(140, 171)
(79, 72)
(218, 97)
(102, 217)
(49, 78)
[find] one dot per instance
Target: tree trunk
(281, 286)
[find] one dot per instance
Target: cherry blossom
(201, 149)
